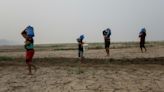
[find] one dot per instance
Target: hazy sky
(62, 21)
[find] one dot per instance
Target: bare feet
(35, 68)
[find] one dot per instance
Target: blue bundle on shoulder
(30, 31)
(80, 38)
(143, 30)
(107, 32)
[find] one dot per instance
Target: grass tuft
(5, 58)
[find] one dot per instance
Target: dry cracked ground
(93, 78)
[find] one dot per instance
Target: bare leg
(107, 51)
(145, 48)
(29, 64)
(81, 56)
(29, 68)
(34, 67)
(141, 49)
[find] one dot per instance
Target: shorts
(107, 43)
(29, 56)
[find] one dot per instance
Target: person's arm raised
(23, 33)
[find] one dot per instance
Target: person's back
(142, 37)
(80, 46)
(106, 34)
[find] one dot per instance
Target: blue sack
(109, 31)
(81, 37)
(30, 31)
(143, 30)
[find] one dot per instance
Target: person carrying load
(107, 34)
(142, 36)
(28, 34)
(80, 47)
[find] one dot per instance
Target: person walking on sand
(28, 34)
(80, 47)
(142, 36)
(107, 34)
